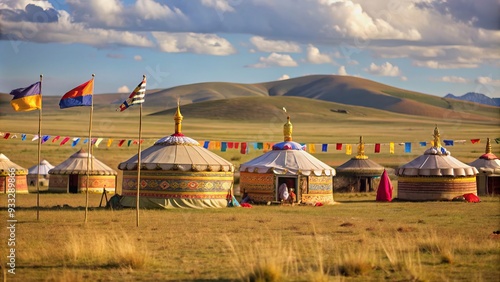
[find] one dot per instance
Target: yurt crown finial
(488, 146)
(178, 118)
(361, 149)
(287, 128)
(437, 137)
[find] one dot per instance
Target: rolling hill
(345, 90)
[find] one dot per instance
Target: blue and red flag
(28, 98)
(78, 96)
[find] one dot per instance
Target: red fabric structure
(384, 191)
(471, 198)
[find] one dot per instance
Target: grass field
(357, 239)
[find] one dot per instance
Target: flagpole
(39, 153)
(139, 162)
(88, 154)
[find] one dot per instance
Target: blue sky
(429, 46)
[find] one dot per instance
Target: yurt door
(73, 183)
(288, 182)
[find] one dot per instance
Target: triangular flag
(98, 141)
(75, 141)
(66, 139)
(474, 141)
(56, 138)
(45, 138)
(35, 137)
(121, 142)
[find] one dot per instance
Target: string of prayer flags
(391, 148)
(348, 149)
(64, 141)
(324, 148)
(407, 147)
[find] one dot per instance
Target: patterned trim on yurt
(435, 188)
(259, 186)
(168, 184)
(21, 184)
(97, 183)
(320, 185)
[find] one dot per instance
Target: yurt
(435, 175)
(359, 171)
(289, 163)
(177, 172)
(70, 176)
(10, 170)
(45, 166)
(488, 178)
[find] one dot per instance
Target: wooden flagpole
(39, 153)
(88, 153)
(139, 161)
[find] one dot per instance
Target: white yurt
(8, 170)
(45, 166)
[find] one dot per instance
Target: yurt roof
(487, 162)
(6, 165)
(45, 166)
(178, 152)
(77, 164)
(288, 157)
(436, 161)
(360, 165)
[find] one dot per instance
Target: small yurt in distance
(360, 171)
(488, 178)
(10, 171)
(45, 166)
(435, 175)
(70, 176)
(177, 172)
(288, 163)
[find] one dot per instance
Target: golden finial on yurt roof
(287, 127)
(178, 119)
(437, 138)
(361, 150)
(488, 146)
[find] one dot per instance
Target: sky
(429, 46)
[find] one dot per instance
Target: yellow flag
(312, 148)
(391, 148)
(110, 141)
(348, 149)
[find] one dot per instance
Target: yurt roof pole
(39, 153)
(89, 144)
(139, 155)
(287, 127)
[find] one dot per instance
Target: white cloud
(151, 10)
(275, 60)
(386, 69)
(342, 71)
(197, 43)
(453, 79)
(108, 12)
(219, 5)
(314, 56)
(487, 81)
(123, 89)
(265, 45)
(283, 77)
(138, 58)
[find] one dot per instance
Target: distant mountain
(476, 98)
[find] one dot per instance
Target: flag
(23, 137)
(136, 97)
(66, 139)
(339, 146)
(223, 147)
(75, 141)
(110, 141)
(230, 145)
(236, 145)
(35, 137)
(243, 149)
(6, 135)
(391, 148)
(377, 148)
(98, 141)
(27, 99)
(121, 142)
(312, 148)
(129, 142)
(474, 141)
(423, 144)
(408, 147)
(206, 144)
(448, 142)
(85, 141)
(497, 140)
(348, 149)
(78, 96)
(45, 138)
(56, 138)
(324, 148)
